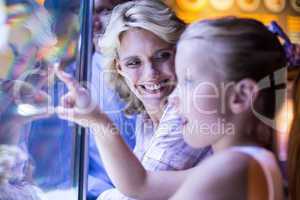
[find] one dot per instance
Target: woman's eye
(162, 56)
(133, 63)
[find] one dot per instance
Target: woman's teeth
(153, 86)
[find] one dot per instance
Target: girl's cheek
(186, 104)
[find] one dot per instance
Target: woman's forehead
(140, 40)
(140, 33)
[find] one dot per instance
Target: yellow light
(191, 5)
(284, 121)
(41, 2)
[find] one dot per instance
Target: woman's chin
(157, 102)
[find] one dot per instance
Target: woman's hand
(19, 100)
(77, 105)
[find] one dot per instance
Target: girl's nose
(174, 98)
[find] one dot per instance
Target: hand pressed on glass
(77, 105)
(20, 102)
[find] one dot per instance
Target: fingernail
(39, 97)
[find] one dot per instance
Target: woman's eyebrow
(128, 58)
(171, 48)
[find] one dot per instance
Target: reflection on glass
(36, 147)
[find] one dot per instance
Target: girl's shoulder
(231, 174)
(220, 176)
(225, 164)
(239, 171)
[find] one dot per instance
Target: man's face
(101, 10)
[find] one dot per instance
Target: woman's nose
(150, 70)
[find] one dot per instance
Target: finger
(71, 83)
(25, 93)
(70, 114)
(28, 112)
(6, 85)
(42, 97)
(21, 88)
(68, 101)
(46, 113)
(65, 113)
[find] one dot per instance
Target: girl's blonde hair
(153, 16)
(252, 51)
(248, 50)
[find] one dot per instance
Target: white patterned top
(161, 149)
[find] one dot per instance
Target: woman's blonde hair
(153, 16)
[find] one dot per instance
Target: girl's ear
(243, 96)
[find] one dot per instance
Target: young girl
(232, 80)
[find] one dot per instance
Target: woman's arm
(125, 170)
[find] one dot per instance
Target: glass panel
(37, 149)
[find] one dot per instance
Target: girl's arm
(128, 174)
(124, 169)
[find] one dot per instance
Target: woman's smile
(154, 88)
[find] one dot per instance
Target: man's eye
(106, 11)
(102, 11)
(133, 63)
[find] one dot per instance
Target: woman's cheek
(131, 76)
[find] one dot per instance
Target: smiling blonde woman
(152, 16)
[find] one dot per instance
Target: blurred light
(284, 120)
(222, 5)
(3, 27)
(41, 2)
(29, 110)
(191, 5)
